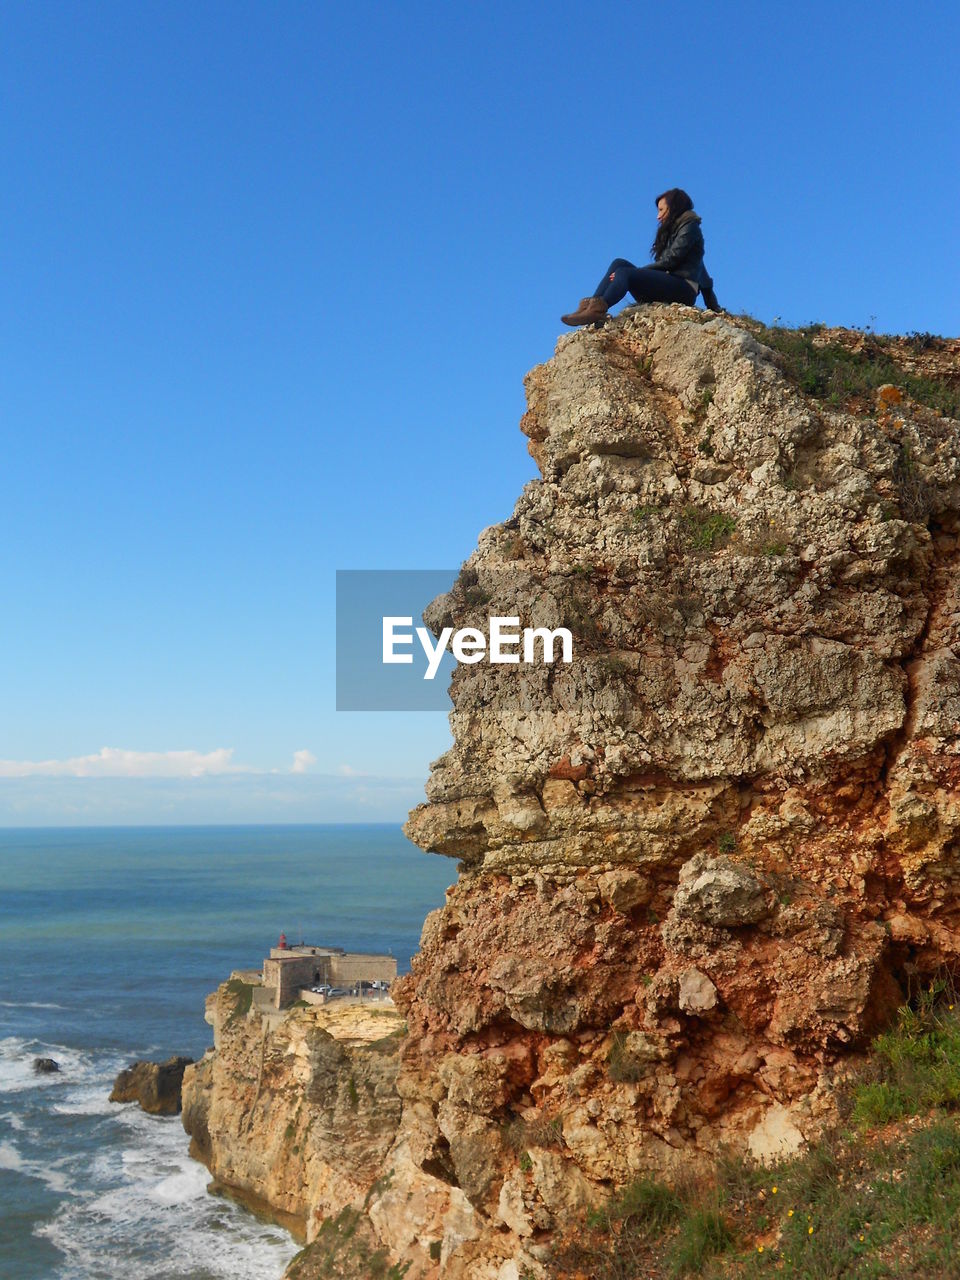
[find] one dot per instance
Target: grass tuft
(646, 1204)
(703, 1235)
(543, 1131)
(623, 1066)
(704, 530)
(916, 1063)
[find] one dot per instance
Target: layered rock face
(704, 862)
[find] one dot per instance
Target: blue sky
(273, 274)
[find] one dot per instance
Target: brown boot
(590, 311)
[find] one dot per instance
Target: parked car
(338, 991)
(323, 990)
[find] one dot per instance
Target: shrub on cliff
(242, 993)
(837, 374)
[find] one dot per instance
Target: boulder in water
(45, 1066)
(155, 1085)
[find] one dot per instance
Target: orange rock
(570, 772)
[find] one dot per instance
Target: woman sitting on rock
(677, 273)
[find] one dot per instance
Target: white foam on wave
(10, 1157)
(180, 1188)
(29, 1004)
(16, 1065)
(131, 1158)
(147, 1127)
(150, 1217)
(50, 1173)
(15, 1122)
(87, 1100)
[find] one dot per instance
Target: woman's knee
(618, 264)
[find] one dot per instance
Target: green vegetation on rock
(243, 998)
(880, 1198)
(835, 374)
(705, 530)
(344, 1250)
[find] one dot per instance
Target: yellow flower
(809, 1231)
(759, 1248)
(789, 1213)
(774, 1190)
(861, 1239)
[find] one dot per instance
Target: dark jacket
(683, 256)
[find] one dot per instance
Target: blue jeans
(644, 283)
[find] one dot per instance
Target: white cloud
(115, 785)
(115, 762)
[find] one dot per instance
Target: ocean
(110, 939)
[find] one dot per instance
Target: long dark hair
(678, 202)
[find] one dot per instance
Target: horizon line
(178, 826)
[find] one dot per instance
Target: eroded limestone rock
(714, 890)
(697, 994)
(750, 764)
(296, 1112)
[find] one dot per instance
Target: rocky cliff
(701, 864)
(293, 1113)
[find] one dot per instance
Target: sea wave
(151, 1218)
(91, 1099)
(16, 1065)
(51, 1174)
(10, 1157)
(182, 1187)
(144, 1210)
(30, 1004)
